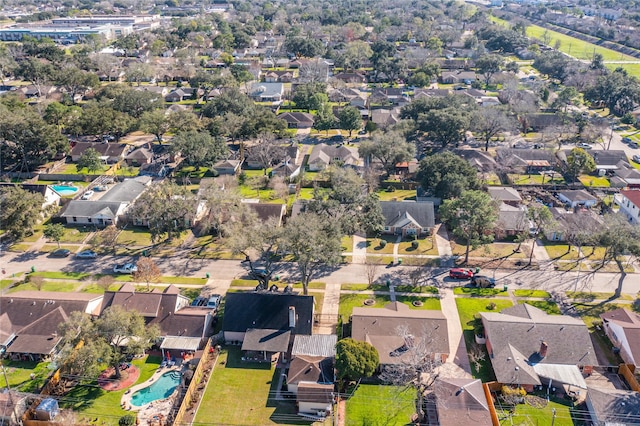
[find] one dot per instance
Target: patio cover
(181, 343)
(266, 340)
(566, 374)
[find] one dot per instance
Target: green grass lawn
(527, 415)
(547, 306)
(90, 401)
(48, 286)
(557, 250)
(479, 292)
(491, 179)
(242, 394)
(71, 169)
(380, 405)
(373, 244)
(575, 47)
(134, 237)
(531, 293)
(428, 303)
(397, 195)
(74, 235)
(350, 301)
(467, 309)
(534, 179)
(347, 243)
(589, 296)
(63, 275)
(594, 181)
(19, 375)
(426, 246)
(48, 248)
(493, 251)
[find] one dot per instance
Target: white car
(584, 145)
(87, 254)
(636, 158)
(87, 195)
(127, 268)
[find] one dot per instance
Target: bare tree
(416, 366)
(280, 187)
(107, 238)
(105, 281)
(267, 151)
(147, 272)
(371, 270)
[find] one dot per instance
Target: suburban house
(608, 160)
(568, 223)
(109, 152)
(481, 161)
(458, 76)
(525, 160)
(626, 176)
(184, 94)
(287, 170)
(29, 321)
(267, 211)
(297, 120)
(322, 155)
(264, 323)
(227, 167)
(351, 78)
(505, 194)
(395, 329)
(278, 76)
(511, 220)
(266, 92)
(577, 198)
(408, 217)
(310, 375)
(612, 407)
(51, 197)
(529, 347)
(182, 327)
(629, 202)
(385, 117)
(110, 207)
(623, 329)
(139, 156)
(458, 401)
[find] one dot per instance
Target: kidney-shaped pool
(160, 389)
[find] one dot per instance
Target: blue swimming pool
(162, 388)
(64, 190)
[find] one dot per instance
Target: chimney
(292, 316)
(543, 349)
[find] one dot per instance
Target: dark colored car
(60, 253)
(460, 273)
(257, 274)
(482, 281)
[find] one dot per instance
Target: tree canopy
(446, 175)
(355, 360)
(19, 210)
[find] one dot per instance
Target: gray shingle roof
(126, 191)
(461, 402)
(86, 208)
(614, 406)
(421, 213)
(504, 193)
(516, 334)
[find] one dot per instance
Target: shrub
(491, 306)
(391, 188)
(383, 243)
(127, 420)
(414, 245)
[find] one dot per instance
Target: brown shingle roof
(461, 402)
(315, 392)
(310, 369)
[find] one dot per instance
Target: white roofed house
(267, 92)
(323, 155)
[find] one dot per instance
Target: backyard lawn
(526, 415)
(468, 308)
(594, 181)
(534, 179)
(380, 405)
(90, 401)
(242, 394)
(19, 375)
(397, 195)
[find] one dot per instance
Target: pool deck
(149, 412)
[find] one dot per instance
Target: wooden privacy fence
(195, 382)
(492, 409)
(626, 371)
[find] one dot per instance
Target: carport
(182, 344)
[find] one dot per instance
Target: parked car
(626, 139)
(583, 145)
(257, 274)
(214, 301)
(60, 253)
(87, 254)
(460, 273)
(127, 268)
(482, 281)
(636, 158)
(87, 195)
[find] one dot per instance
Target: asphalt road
(225, 270)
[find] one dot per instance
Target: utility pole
(13, 405)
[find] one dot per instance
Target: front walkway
(359, 254)
(444, 246)
(457, 346)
